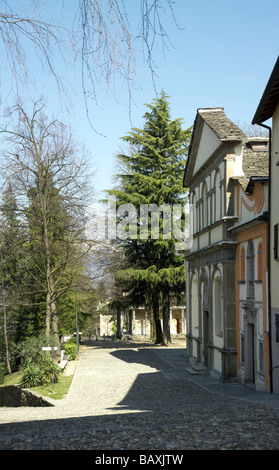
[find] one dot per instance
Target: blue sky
(222, 56)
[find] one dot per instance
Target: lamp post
(77, 331)
(51, 349)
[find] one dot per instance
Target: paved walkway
(129, 396)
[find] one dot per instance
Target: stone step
(196, 370)
(191, 371)
(200, 368)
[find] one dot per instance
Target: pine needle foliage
(152, 174)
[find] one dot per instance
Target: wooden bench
(64, 361)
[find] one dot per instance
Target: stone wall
(14, 396)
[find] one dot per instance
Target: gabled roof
(254, 161)
(270, 98)
(221, 126)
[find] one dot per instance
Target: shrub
(31, 376)
(71, 350)
(2, 373)
(31, 349)
(72, 340)
(46, 371)
(35, 374)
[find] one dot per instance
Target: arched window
(218, 197)
(195, 307)
(242, 264)
(260, 262)
(204, 207)
(218, 304)
(250, 269)
(195, 212)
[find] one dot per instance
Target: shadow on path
(158, 413)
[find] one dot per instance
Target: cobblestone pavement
(129, 396)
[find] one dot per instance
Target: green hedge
(2, 373)
(70, 350)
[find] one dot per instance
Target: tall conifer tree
(153, 175)
(11, 268)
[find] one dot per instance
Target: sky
(222, 55)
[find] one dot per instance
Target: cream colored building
(251, 286)
(140, 321)
(219, 154)
(267, 114)
(136, 321)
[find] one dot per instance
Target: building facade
(136, 321)
(251, 283)
(267, 114)
(219, 154)
(139, 321)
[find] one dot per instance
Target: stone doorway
(250, 366)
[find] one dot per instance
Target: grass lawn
(61, 388)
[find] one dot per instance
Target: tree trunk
(152, 325)
(5, 330)
(53, 312)
(158, 327)
(166, 321)
(54, 320)
(48, 313)
(119, 324)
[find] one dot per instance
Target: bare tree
(49, 176)
(94, 33)
(252, 130)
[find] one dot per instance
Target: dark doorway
(205, 336)
(250, 353)
(179, 325)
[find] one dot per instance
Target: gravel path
(131, 397)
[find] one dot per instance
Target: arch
(204, 280)
(217, 294)
(194, 306)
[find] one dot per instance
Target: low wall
(14, 396)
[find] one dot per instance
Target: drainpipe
(269, 256)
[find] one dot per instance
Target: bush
(2, 373)
(71, 350)
(35, 374)
(46, 371)
(72, 340)
(31, 376)
(31, 349)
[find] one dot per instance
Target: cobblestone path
(127, 398)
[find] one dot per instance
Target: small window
(242, 264)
